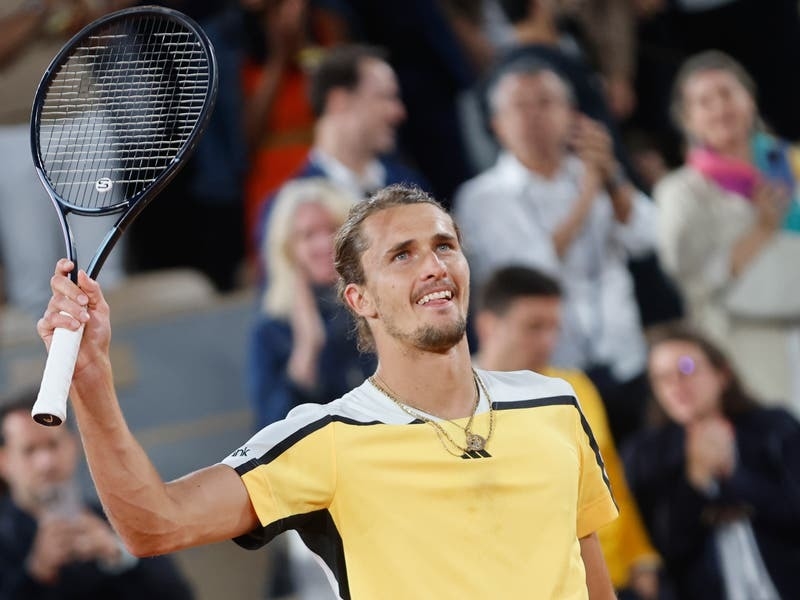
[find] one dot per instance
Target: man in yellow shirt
(430, 480)
(517, 323)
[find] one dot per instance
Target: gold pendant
(475, 442)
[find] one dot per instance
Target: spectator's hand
(710, 452)
(644, 581)
(592, 143)
(52, 548)
(591, 184)
(771, 202)
(94, 539)
(308, 334)
(72, 306)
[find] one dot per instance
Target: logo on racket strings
(103, 185)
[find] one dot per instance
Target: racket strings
(121, 109)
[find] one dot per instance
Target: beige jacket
(699, 223)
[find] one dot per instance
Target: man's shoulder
(357, 407)
(522, 388)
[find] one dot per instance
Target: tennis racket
(116, 115)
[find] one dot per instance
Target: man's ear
(360, 301)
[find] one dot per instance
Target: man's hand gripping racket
(116, 115)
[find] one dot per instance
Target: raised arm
(151, 516)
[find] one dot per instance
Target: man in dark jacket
(53, 546)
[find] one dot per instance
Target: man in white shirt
(555, 200)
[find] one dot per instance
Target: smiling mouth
(442, 295)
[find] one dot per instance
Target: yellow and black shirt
(392, 514)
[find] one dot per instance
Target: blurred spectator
(537, 34)
(284, 42)
(718, 483)
(53, 545)
(557, 200)
(762, 36)
(356, 98)
(433, 65)
(31, 34)
(197, 221)
(729, 229)
(301, 349)
(517, 323)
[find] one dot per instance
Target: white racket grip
(50, 407)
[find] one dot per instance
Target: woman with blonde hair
(729, 226)
(300, 347)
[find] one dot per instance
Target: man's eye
(401, 256)
(445, 246)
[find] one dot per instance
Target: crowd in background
(624, 173)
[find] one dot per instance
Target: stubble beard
(429, 338)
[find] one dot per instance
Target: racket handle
(50, 407)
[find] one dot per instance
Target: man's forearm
(131, 490)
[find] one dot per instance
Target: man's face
(417, 278)
(532, 114)
(525, 336)
(35, 458)
(375, 108)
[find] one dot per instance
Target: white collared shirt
(374, 176)
(508, 215)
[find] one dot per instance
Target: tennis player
(429, 480)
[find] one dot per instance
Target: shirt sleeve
(596, 505)
(624, 541)
(289, 470)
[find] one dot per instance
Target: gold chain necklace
(474, 442)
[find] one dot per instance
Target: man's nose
(435, 267)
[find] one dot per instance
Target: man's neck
(339, 147)
(439, 384)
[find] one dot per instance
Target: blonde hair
(276, 252)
